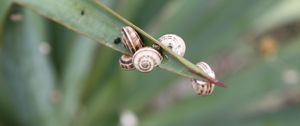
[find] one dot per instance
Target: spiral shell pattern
(202, 87)
(174, 42)
(126, 63)
(131, 39)
(145, 59)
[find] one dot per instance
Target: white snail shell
(126, 63)
(174, 42)
(145, 59)
(131, 39)
(202, 87)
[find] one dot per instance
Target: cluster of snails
(144, 59)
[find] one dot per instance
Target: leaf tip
(220, 84)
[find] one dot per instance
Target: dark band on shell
(126, 63)
(131, 39)
(203, 87)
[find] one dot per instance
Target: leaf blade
(105, 28)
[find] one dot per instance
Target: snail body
(174, 42)
(131, 39)
(126, 63)
(202, 87)
(145, 59)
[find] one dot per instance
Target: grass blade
(4, 6)
(188, 68)
(27, 71)
(103, 25)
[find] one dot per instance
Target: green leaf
(131, 10)
(280, 14)
(61, 41)
(27, 72)
(103, 25)
(179, 17)
(96, 110)
(4, 6)
(230, 106)
(7, 112)
(102, 69)
(79, 62)
(217, 25)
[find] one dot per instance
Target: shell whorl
(202, 87)
(174, 42)
(131, 39)
(145, 59)
(126, 63)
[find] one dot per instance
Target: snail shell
(131, 39)
(145, 59)
(202, 87)
(174, 42)
(126, 63)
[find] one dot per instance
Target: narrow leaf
(4, 6)
(103, 25)
(28, 72)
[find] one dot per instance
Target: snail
(125, 62)
(174, 42)
(202, 87)
(145, 59)
(131, 39)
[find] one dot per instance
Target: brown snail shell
(131, 39)
(203, 87)
(126, 63)
(145, 59)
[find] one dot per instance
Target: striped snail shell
(125, 62)
(131, 39)
(203, 87)
(145, 59)
(174, 42)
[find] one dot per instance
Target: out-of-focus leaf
(103, 68)
(4, 6)
(276, 108)
(147, 87)
(61, 41)
(199, 110)
(209, 27)
(131, 9)
(80, 59)
(97, 111)
(7, 113)
(27, 72)
(79, 62)
(7, 116)
(182, 15)
(285, 117)
(243, 91)
(280, 14)
(106, 25)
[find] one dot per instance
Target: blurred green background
(51, 76)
